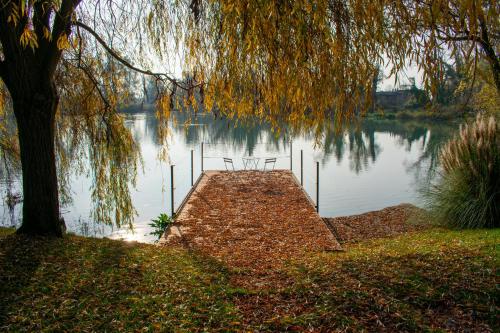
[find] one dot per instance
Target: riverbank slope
(423, 280)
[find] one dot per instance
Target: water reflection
(370, 165)
(356, 143)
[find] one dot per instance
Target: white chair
(271, 160)
(228, 161)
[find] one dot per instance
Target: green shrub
(160, 224)
(468, 193)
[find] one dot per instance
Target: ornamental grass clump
(468, 193)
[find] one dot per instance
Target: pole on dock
(317, 187)
(202, 156)
(192, 176)
(301, 167)
(172, 190)
(291, 160)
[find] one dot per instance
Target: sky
(411, 71)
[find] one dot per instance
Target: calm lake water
(369, 166)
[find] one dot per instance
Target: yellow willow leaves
(63, 42)
(21, 13)
(305, 60)
(47, 34)
(164, 106)
(29, 38)
(92, 137)
(296, 62)
(15, 13)
(284, 61)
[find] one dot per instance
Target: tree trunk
(490, 52)
(35, 115)
(494, 63)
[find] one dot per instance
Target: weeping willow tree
(65, 64)
(303, 61)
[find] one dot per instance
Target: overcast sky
(410, 72)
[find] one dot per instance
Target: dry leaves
(388, 222)
(252, 220)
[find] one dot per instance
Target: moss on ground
(430, 280)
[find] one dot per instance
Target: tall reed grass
(468, 193)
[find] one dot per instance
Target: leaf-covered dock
(250, 219)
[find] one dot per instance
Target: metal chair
(270, 161)
(227, 161)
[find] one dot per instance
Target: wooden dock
(250, 219)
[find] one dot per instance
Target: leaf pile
(388, 222)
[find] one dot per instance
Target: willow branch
(115, 55)
(92, 79)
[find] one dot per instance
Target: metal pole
(202, 156)
(317, 187)
(301, 167)
(172, 189)
(291, 160)
(192, 177)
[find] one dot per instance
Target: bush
(468, 193)
(160, 224)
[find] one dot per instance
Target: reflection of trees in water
(358, 151)
(428, 160)
(358, 141)
(205, 128)
(224, 131)
(428, 135)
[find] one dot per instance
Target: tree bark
(490, 52)
(35, 116)
(494, 64)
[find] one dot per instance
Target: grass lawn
(434, 280)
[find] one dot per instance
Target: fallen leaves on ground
(426, 280)
(252, 220)
(388, 222)
(86, 285)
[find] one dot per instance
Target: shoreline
(386, 222)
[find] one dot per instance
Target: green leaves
(468, 193)
(160, 224)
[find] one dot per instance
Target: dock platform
(250, 219)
